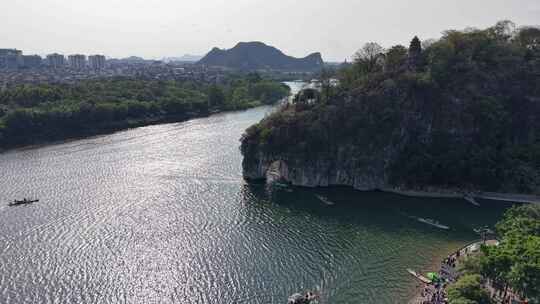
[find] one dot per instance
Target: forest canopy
(30, 113)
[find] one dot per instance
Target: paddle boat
(24, 201)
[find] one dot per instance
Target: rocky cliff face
(353, 145)
(343, 168)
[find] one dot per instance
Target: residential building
(77, 61)
(56, 60)
(31, 61)
(96, 62)
(10, 58)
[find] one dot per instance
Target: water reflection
(362, 239)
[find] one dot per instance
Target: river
(160, 214)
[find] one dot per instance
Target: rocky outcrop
(453, 117)
(342, 170)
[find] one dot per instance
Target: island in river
(460, 116)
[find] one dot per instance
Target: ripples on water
(160, 214)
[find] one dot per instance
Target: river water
(160, 214)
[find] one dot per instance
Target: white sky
(158, 28)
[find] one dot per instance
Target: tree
(326, 85)
(240, 97)
(468, 289)
(528, 37)
(524, 276)
(368, 58)
(306, 96)
(503, 30)
(520, 220)
(415, 50)
(395, 58)
(472, 265)
(253, 77)
(216, 97)
(427, 43)
(516, 261)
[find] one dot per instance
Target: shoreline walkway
(435, 293)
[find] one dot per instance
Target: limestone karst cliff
(464, 114)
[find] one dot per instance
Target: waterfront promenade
(448, 272)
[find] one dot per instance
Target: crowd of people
(435, 293)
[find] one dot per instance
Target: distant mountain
(257, 56)
(185, 58)
(133, 59)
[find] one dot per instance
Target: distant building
(31, 61)
(77, 61)
(96, 62)
(10, 59)
(8, 52)
(56, 60)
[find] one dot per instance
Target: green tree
(368, 59)
(515, 262)
(468, 289)
(395, 58)
(503, 30)
(216, 96)
(415, 50)
(528, 37)
(520, 220)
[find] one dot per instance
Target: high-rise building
(56, 60)
(31, 61)
(10, 59)
(7, 52)
(96, 62)
(77, 61)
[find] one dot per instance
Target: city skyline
(153, 30)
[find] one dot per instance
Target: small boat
(22, 202)
(471, 200)
(308, 298)
(420, 277)
(325, 200)
(483, 231)
(433, 223)
(280, 184)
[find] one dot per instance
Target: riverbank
(107, 128)
(115, 126)
(447, 270)
(49, 112)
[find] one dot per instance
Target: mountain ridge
(256, 55)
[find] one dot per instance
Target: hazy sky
(158, 28)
